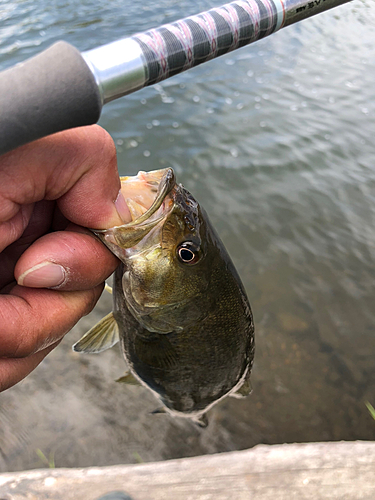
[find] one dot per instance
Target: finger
(12, 370)
(39, 222)
(67, 260)
(76, 166)
(12, 229)
(33, 319)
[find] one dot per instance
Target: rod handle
(50, 92)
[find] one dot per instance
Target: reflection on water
(277, 142)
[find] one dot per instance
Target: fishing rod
(61, 88)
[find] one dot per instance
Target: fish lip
(166, 185)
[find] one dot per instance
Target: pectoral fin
(157, 352)
(102, 336)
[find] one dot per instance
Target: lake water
(277, 141)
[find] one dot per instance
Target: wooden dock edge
(333, 470)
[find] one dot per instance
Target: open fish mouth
(148, 198)
(145, 192)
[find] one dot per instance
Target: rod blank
(150, 57)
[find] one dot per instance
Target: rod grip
(50, 92)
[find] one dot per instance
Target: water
(277, 139)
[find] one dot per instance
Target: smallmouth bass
(179, 308)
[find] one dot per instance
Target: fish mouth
(148, 196)
(145, 193)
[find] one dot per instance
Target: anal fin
(102, 336)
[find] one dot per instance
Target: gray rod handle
(52, 91)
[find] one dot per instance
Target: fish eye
(188, 253)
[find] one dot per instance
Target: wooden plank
(313, 471)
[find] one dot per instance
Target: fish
(180, 310)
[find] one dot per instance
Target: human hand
(51, 268)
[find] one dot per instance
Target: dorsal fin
(102, 336)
